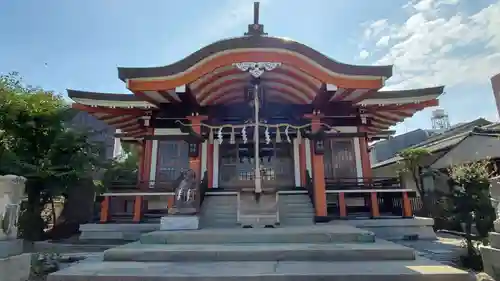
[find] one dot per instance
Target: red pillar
(139, 204)
(318, 168)
(367, 171)
(365, 156)
(195, 162)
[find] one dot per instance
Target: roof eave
(254, 42)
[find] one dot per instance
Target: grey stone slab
(413, 222)
(142, 227)
(394, 229)
(494, 239)
(116, 231)
(491, 261)
(417, 270)
(381, 250)
(15, 268)
(10, 247)
(310, 234)
(169, 223)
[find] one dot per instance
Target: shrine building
(305, 118)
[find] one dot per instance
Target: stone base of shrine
(180, 222)
(491, 253)
(419, 228)
(14, 265)
(116, 231)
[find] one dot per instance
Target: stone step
(216, 223)
(294, 205)
(296, 221)
(296, 212)
(294, 197)
(312, 234)
(220, 208)
(494, 239)
(217, 212)
(416, 270)
(380, 250)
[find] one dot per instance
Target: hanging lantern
(319, 147)
(194, 150)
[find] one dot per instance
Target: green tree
(411, 162)
(471, 205)
(123, 171)
(36, 144)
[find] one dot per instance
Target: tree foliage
(471, 204)
(123, 170)
(36, 143)
(411, 163)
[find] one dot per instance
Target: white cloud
(431, 48)
(423, 5)
(375, 28)
(364, 54)
(383, 41)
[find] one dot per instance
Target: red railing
(369, 194)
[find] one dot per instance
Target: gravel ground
(446, 249)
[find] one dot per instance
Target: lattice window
(340, 159)
(172, 160)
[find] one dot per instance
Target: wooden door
(237, 172)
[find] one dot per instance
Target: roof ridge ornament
(255, 29)
(256, 68)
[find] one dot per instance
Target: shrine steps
(259, 252)
(311, 234)
(420, 269)
(310, 253)
(295, 209)
(220, 210)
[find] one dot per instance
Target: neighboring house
(386, 149)
(465, 142)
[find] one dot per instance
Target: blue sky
(78, 44)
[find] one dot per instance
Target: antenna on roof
(256, 28)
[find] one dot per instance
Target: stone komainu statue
(8, 218)
(11, 192)
(185, 201)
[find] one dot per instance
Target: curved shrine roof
(254, 42)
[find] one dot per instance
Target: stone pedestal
(491, 253)
(180, 222)
(14, 265)
(261, 213)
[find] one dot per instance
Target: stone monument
(184, 214)
(491, 253)
(14, 265)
